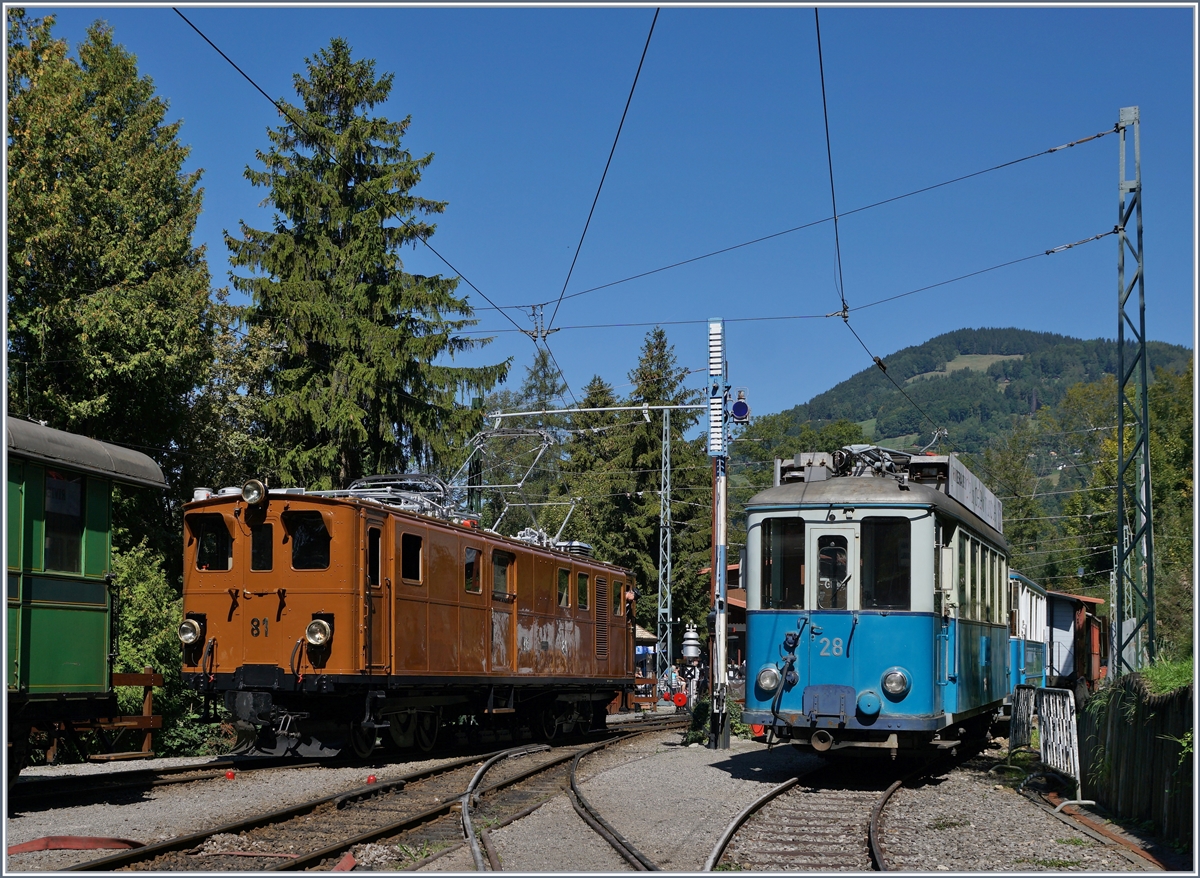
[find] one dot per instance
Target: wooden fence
(1133, 757)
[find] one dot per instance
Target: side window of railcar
(214, 548)
(309, 538)
(974, 578)
(504, 573)
(886, 563)
(964, 609)
(584, 586)
(783, 564)
(618, 595)
(564, 587)
(411, 564)
(64, 522)
(471, 581)
(260, 547)
(832, 576)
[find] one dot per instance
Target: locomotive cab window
(618, 595)
(833, 577)
(504, 573)
(260, 547)
(886, 564)
(564, 587)
(472, 583)
(309, 538)
(64, 522)
(410, 557)
(214, 547)
(583, 583)
(783, 564)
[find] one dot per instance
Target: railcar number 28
(837, 645)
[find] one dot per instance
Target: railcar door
(377, 596)
(833, 595)
(503, 610)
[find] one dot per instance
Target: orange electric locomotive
(333, 618)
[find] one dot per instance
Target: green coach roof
(47, 445)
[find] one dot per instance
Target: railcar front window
(783, 564)
(64, 522)
(374, 544)
(310, 540)
(832, 578)
(260, 547)
(582, 593)
(886, 564)
(214, 548)
(618, 595)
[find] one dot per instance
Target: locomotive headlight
(254, 492)
(768, 678)
(895, 682)
(189, 631)
(318, 632)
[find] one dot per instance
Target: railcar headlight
(768, 678)
(189, 631)
(895, 682)
(254, 492)
(318, 632)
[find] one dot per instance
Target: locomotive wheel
(426, 732)
(547, 724)
(362, 741)
(400, 729)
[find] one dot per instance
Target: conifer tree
(359, 381)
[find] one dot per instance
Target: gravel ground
(672, 801)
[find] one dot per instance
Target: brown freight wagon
(323, 619)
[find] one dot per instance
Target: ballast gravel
(672, 801)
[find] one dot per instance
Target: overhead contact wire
(837, 244)
(611, 153)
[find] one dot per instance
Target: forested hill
(970, 381)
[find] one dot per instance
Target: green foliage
(149, 610)
(1165, 676)
(109, 317)
(698, 727)
(355, 383)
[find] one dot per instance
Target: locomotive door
(833, 595)
(377, 598)
(503, 606)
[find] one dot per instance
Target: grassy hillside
(971, 381)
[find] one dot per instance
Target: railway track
(415, 815)
(830, 822)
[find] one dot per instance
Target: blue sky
(725, 142)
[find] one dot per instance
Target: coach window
(832, 576)
(471, 582)
(411, 562)
(261, 550)
(964, 609)
(214, 548)
(783, 564)
(564, 587)
(504, 573)
(886, 564)
(64, 522)
(373, 542)
(975, 614)
(584, 585)
(310, 540)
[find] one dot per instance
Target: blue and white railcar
(877, 606)
(1028, 632)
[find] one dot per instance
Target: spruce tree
(358, 381)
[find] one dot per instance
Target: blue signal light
(740, 411)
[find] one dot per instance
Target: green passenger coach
(59, 625)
